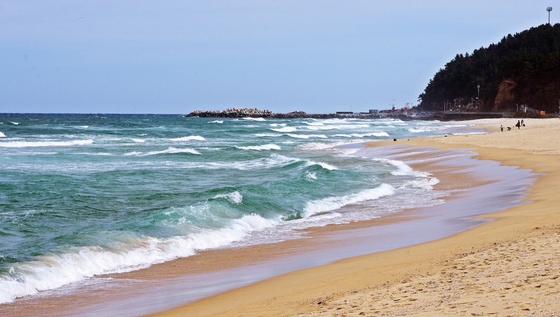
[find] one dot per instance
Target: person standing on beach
(518, 124)
(501, 128)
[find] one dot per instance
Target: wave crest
(22, 144)
(315, 207)
(189, 138)
(170, 150)
(132, 252)
(265, 147)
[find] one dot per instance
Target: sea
(84, 195)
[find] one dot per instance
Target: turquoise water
(83, 195)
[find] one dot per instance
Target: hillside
(522, 69)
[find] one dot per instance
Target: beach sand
(507, 267)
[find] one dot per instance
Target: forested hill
(522, 69)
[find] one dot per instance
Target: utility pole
(478, 97)
(478, 91)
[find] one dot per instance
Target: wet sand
(509, 266)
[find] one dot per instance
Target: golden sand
(508, 267)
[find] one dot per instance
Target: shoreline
(268, 292)
(322, 245)
(376, 283)
(163, 282)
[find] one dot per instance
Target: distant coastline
(398, 114)
(257, 113)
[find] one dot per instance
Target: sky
(174, 57)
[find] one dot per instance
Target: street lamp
(478, 91)
(478, 97)
(549, 9)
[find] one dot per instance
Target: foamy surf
(284, 129)
(264, 147)
(189, 138)
(24, 144)
(52, 271)
(170, 150)
(122, 192)
(234, 197)
(337, 202)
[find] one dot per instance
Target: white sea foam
(314, 123)
(92, 154)
(268, 135)
(424, 179)
(307, 136)
(52, 271)
(217, 121)
(426, 183)
(402, 167)
(189, 138)
(333, 203)
(273, 161)
(336, 121)
(338, 126)
(321, 128)
(322, 164)
(254, 119)
(363, 135)
(23, 144)
(420, 130)
(265, 147)
(170, 150)
(2, 135)
(313, 146)
(234, 198)
(285, 129)
(310, 176)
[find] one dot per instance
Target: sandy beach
(507, 267)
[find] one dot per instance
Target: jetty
(410, 115)
(257, 113)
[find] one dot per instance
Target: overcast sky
(320, 56)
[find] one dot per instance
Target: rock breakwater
(232, 113)
(257, 113)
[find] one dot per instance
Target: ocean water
(84, 195)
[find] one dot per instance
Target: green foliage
(530, 59)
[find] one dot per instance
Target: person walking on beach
(518, 124)
(501, 128)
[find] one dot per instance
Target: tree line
(522, 69)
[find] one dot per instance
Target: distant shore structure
(257, 113)
(410, 115)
